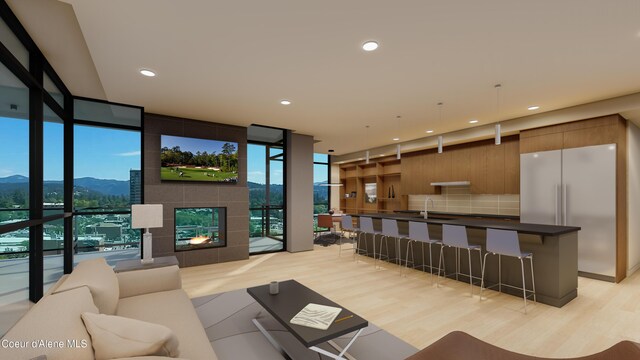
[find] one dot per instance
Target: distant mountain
(14, 179)
(108, 187)
(103, 186)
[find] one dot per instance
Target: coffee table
(294, 296)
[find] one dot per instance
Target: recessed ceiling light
(396, 139)
(370, 46)
(534, 107)
(147, 72)
(429, 131)
(473, 121)
(285, 102)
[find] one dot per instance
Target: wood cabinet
(491, 169)
(385, 173)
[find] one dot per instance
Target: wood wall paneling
(495, 174)
(622, 241)
(511, 166)
(551, 141)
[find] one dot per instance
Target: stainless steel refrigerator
(575, 187)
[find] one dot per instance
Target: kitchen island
(554, 248)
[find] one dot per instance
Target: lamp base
(147, 253)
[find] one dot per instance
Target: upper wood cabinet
(491, 169)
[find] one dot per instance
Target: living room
(216, 138)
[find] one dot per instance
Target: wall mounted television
(192, 159)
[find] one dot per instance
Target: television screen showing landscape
(191, 159)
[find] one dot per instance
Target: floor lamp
(146, 216)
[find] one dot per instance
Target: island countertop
(523, 228)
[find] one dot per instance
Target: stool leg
(470, 272)
(533, 280)
(440, 261)
(430, 261)
(457, 262)
(499, 273)
(524, 290)
(484, 264)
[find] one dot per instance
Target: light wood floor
(420, 313)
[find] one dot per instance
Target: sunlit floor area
(262, 244)
(14, 276)
(418, 311)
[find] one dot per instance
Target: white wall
(299, 192)
(633, 196)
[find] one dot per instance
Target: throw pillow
(99, 277)
(115, 337)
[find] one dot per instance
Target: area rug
(227, 317)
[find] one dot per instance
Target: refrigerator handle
(564, 204)
(557, 207)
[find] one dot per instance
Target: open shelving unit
(385, 173)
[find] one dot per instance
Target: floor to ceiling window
(107, 180)
(266, 181)
(320, 188)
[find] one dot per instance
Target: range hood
(451, 183)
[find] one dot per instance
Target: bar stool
(455, 236)
(366, 227)
(505, 242)
(419, 233)
(346, 225)
(390, 229)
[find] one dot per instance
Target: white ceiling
(233, 61)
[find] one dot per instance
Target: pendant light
(498, 130)
(398, 145)
(440, 121)
(366, 137)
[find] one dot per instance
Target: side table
(136, 264)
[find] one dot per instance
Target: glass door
(266, 182)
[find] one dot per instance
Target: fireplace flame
(199, 240)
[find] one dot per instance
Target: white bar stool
(390, 229)
(455, 236)
(505, 242)
(419, 233)
(366, 227)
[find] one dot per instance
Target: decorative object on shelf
(393, 192)
(389, 196)
(370, 190)
(332, 211)
(146, 216)
(353, 194)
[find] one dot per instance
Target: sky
(194, 145)
(99, 152)
(110, 153)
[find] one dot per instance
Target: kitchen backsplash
(459, 199)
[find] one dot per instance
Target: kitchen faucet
(426, 206)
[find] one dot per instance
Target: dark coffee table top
(292, 298)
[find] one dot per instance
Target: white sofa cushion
(174, 310)
(116, 337)
(140, 282)
(54, 318)
(99, 277)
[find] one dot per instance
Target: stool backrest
(346, 222)
(325, 221)
(390, 228)
(455, 235)
(419, 231)
(366, 224)
(503, 242)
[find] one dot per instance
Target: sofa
(458, 345)
(94, 313)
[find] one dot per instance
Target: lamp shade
(145, 216)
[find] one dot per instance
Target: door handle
(557, 204)
(564, 204)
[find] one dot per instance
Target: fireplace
(200, 228)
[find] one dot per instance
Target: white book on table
(316, 316)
